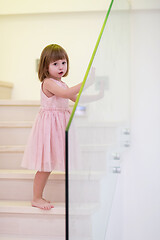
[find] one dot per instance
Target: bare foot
(42, 204)
(46, 200)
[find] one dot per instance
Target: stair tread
(59, 208)
(27, 174)
(19, 103)
(23, 237)
(25, 207)
(12, 148)
(31, 103)
(55, 175)
(21, 148)
(16, 124)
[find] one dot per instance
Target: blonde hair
(51, 53)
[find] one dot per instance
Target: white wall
(142, 169)
(51, 6)
(136, 207)
(24, 36)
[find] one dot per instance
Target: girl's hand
(73, 98)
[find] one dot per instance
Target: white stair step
(27, 174)
(24, 207)
(20, 218)
(21, 182)
(22, 237)
(92, 156)
(14, 132)
(17, 132)
(11, 156)
(94, 134)
(12, 149)
(80, 220)
(20, 110)
(16, 124)
(11, 110)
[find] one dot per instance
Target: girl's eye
(54, 64)
(63, 62)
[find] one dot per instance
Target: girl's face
(57, 69)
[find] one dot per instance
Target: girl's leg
(40, 181)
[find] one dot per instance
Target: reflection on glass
(98, 134)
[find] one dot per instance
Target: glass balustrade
(98, 131)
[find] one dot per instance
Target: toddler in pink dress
(45, 150)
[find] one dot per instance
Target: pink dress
(45, 150)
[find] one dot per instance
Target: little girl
(45, 150)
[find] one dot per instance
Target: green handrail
(89, 66)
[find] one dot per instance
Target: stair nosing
(16, 124)
(20, 174)
(24, 207)
(27, 174)
(22, 103)
(21, 148)
(12, 148)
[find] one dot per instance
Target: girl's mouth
(60, 73)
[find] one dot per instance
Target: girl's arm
(69, 93)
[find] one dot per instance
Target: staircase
(18, 220)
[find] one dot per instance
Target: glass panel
(98, 133)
